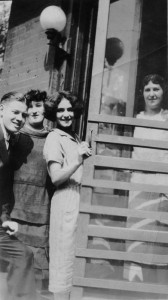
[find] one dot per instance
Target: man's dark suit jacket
(6, 191)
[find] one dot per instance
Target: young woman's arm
(58, 174)
(61, 174)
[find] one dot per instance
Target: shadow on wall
(24, 10)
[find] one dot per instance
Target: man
(20, 279)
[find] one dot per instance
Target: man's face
(13, 115)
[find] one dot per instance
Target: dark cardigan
(32, 186)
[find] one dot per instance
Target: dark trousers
(20, 279)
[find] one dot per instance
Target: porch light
(53, 21)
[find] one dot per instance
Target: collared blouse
(60, 147)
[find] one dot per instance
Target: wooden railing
(87, 230)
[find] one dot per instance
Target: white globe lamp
(53, 17)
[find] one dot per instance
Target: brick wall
(28, 59)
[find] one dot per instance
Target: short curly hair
(154, 78)
(35, 95)
(54, 100)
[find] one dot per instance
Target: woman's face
(65, 114)
(153, 95)
(36, 113)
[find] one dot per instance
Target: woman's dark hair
(155, 78)
(35, 95)
(54, 100)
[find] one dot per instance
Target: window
(122, 225)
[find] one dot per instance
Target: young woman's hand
(84, 151)
(61, 174)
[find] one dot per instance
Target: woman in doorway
(154, 90)
(64, 154)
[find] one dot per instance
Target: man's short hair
(13, 96)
